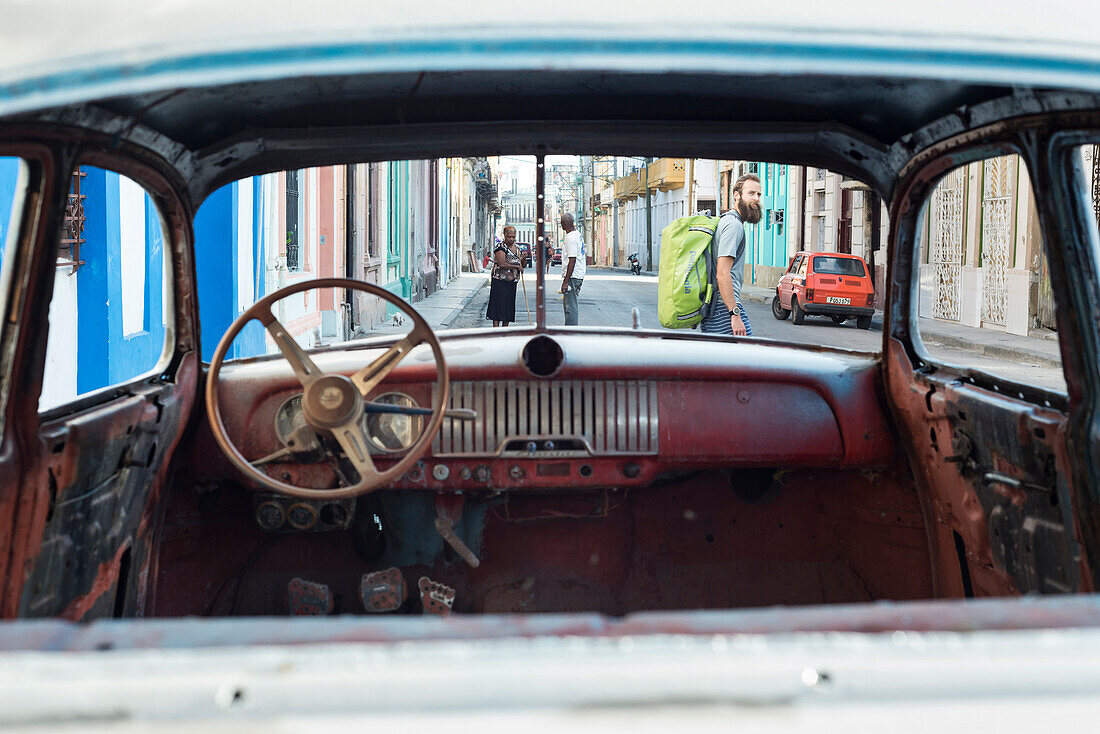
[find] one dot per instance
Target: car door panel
(995, 469)
(993, 456)
(101, 472)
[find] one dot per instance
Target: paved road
(608, 297)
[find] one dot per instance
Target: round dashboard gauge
(289, 418)
(391, 432)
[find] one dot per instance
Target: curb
(992, 350)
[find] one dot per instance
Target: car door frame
(48, 459)
(1008, 469)
(786, 281)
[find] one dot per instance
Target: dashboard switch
(631, 470)
(416, 474)
(516, 472)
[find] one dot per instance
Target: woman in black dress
(507, 270)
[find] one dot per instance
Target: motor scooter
(635, 264)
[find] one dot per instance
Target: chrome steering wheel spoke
(374, 373)
(300, 362)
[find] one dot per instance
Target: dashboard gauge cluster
(275, 513)
(387, 428)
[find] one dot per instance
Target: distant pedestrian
(549, 257)
(573, 264)
(727, 315)
(507, 270)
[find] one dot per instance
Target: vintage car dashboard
(576, 409)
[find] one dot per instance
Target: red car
(826, 284)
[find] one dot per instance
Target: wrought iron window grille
(68, 254)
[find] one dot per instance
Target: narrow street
(608, 297)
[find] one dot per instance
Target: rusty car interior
(554, 469)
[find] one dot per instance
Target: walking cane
(526, 305)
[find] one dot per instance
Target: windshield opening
(474, 243)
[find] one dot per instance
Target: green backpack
(686, 282)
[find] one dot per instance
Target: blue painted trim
(9, 178)
(213, 257)
(93, 334)
(251, 341)
(785, 51)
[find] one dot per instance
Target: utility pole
(592, 206)
(689, 174)
(648, 220)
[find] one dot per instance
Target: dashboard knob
(465, 472)
(415, 474)
(516, 472)
(440, 472)
(483, 473)
(549, 445)
(532, 447)
(631, 470)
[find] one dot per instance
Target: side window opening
(111, 304)
(985, 301)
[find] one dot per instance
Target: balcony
(853, 184)
(666, 174)
(630, 187)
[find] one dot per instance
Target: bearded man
(726, 315)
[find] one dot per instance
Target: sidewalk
(441, 308)
(1041, 348)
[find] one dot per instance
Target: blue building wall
(9, 177)
(217, 254)
(766, 240)
(105, 355)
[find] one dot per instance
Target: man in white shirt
(574, 264)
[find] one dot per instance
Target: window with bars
(293, 258)
(72, 238)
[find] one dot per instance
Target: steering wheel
(332, 404)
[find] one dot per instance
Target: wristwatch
(735, 311)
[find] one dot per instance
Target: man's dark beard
(749, 214)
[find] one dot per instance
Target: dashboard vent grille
(610, 416)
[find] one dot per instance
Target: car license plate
(841, 301)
